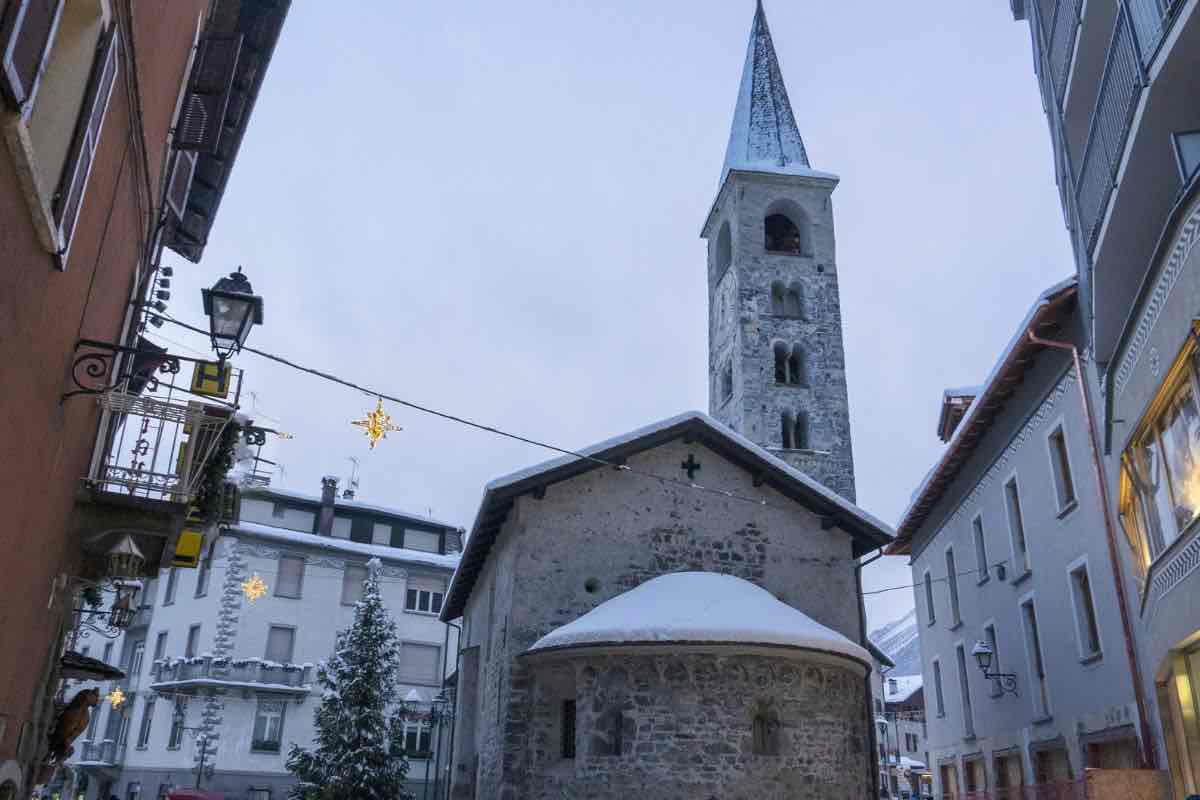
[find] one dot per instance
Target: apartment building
(1026, 674)
(1118, 83)
(220, 685)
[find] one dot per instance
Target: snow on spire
(764, 136)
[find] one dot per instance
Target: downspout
(873, 776)
(1149, 758)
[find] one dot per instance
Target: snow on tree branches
(359, 746)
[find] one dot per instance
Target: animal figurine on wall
(71, 722)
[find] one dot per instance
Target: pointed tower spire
(764, 137)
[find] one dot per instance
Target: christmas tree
(359, 748)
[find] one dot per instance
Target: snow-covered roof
(867, 531)
(905, 687)
(979, 415)
(349, 505)
(394, 554)
(699, 607)
(764, 136)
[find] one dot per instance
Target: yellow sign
(187, 548)
(210, 380)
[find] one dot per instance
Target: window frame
(346, 568)
(430, 596)
(930, 603)
(178, 722)
(291, 649)
(1035, 660)
(422, 730)
(1084, 611)
(299, 578)
(192, 643)
(938, 696)
(964, 687)
(993, 640)
(981, 557)
(172, 585)
(203, 577)
(952, 588)
(147, 724)
(268, 745)
(1062, 469)
(1014, 511)
(417, 680)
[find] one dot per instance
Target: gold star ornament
(377, 424)
(116, 697)
(254, 587)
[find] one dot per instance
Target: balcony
(1151, 21)
(252, 675)
(106, 753)
(159, 436)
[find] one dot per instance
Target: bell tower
(776, 362)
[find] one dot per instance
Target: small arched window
(786, 229)
(781, 363)
(765, 729)
(795, 367)
(724, 248)
(787, 428)
(800, 431)
(778, 302)
(793, 303)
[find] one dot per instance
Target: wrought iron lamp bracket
(1007, 681)
(94, 362)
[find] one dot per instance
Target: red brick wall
(45, 445)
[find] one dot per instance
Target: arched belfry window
(787, 428)
(781, 363)
(765, 729)
(724, 248)
(795, 367)
(800, 431)
(778, 300)
(786, 229)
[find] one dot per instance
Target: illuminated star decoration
(116, 697)
(377, 424)
(254, 587)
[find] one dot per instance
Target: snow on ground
(699, 607)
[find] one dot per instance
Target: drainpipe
(873, 743)
(1149, 757)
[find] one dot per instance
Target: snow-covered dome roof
(699, 607)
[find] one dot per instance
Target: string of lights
(692, 485)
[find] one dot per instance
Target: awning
(84, 668)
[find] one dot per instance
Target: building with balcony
(1011, 555)
(120, 124)
(214, 676)
(1118, 82)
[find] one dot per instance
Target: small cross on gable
(691, 466)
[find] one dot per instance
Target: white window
(424, 541)
(1161, 496)
(147, 720)
(417, 740)
(981, 562)
(290, 578)
(342, 527)
(989, 636)
(420, 663)
(352, 583)
(172, 579)
(193, 642)
(930, 613)
(424, 595)
(964, 687)
(1087, 630)
(1060, 463)
(952, 588)
(381, 534)
(202, 576)
(268, 726)
(280, 642)
(937, 688)
(1016, 527)
(175, 737)
(1037, 666)
(160, 646)
(139, 651)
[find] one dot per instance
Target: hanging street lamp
(1006, 681)
(232, 309)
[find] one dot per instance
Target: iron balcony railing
(250, 673)
(1116, 101)
(1060, 27)
(1151, 21)
(106, 752)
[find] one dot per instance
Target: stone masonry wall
(687, 728)
(743, 329)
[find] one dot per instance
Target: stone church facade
(757, 503)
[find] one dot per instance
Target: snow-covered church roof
(699, 607)
(866, 531)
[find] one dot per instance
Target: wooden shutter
(26, 31)
(69, 197)
(209, 86)
(181, 182)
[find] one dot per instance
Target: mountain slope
(902, 644)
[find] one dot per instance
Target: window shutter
(26, 31)
(78, 167)
(279, 644)
(291, 572)
(211, 83)
(181, 182)
(419, 662)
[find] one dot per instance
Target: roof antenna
(352, 484)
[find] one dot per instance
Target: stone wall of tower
(744, 326)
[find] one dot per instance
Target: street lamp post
(201, 741)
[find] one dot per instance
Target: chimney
(328, 496)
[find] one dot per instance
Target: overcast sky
(494, 209)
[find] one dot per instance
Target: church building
(677, 611)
